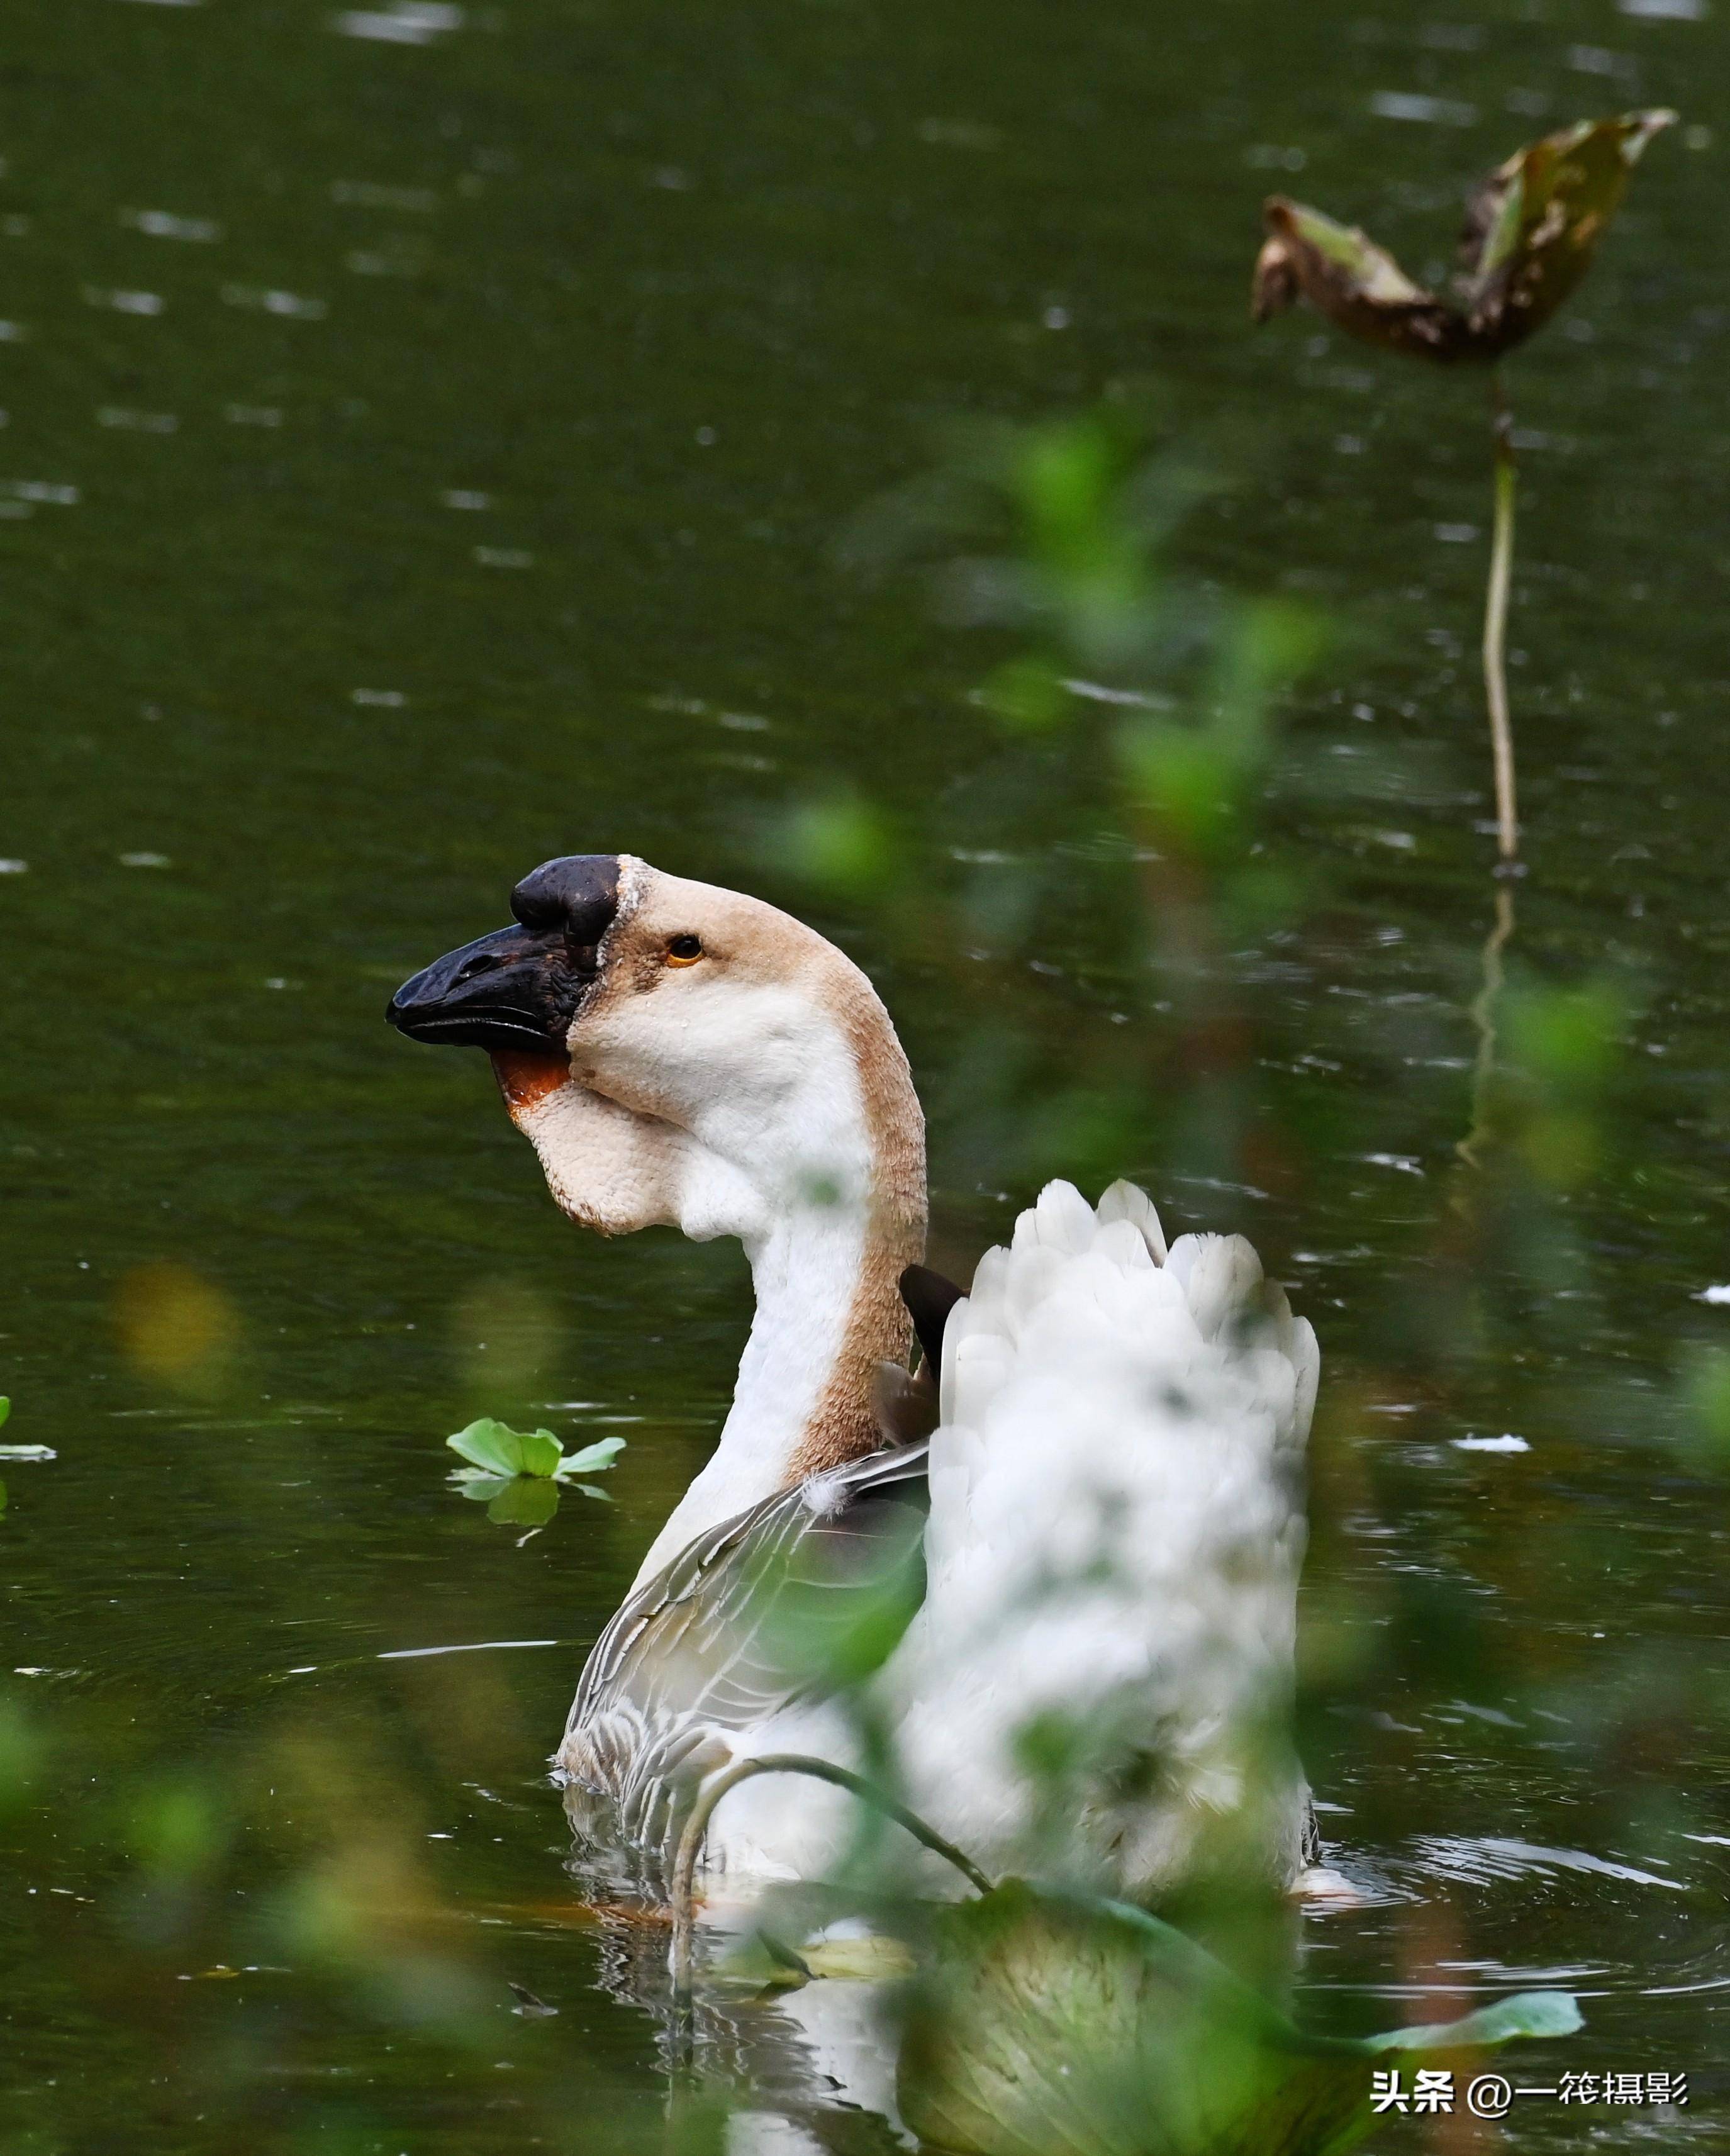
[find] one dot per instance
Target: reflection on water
(425, 447)
(793, 2061)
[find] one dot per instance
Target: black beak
(520, 987)
(507, 990)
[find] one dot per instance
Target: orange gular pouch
(526, 1076)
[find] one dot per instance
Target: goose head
(680, 1053)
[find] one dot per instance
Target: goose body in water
(1102, 1530)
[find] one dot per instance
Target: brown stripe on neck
(843, 1424)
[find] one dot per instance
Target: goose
(1090, 1486)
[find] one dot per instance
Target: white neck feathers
(763, 1096)
(839, 1210)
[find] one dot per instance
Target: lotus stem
(690, 1842)
(1502, 566)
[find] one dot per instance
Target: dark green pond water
(428, 432)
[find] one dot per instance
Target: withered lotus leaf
(1531, 229)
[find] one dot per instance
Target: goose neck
(828, 1310)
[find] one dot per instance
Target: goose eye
(683, 950)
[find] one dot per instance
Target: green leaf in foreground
(1056, 2025)
(1532, 228)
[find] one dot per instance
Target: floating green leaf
(1532, 227)
(516, 1474)
(591, 1459)
(1057, 2026)
(494, 1447)
(541, 1452)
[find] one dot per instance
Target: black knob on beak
(519, 987)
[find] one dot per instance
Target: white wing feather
(1113, 1549)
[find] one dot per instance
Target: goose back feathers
(1105, 1529)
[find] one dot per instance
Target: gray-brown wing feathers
(739, 1627)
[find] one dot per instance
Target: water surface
(427, 434)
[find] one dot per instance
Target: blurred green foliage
(1053, 2025)
(1139, 754)
(1133, 704)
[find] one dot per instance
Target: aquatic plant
(1532, 227)
(517, 1474)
